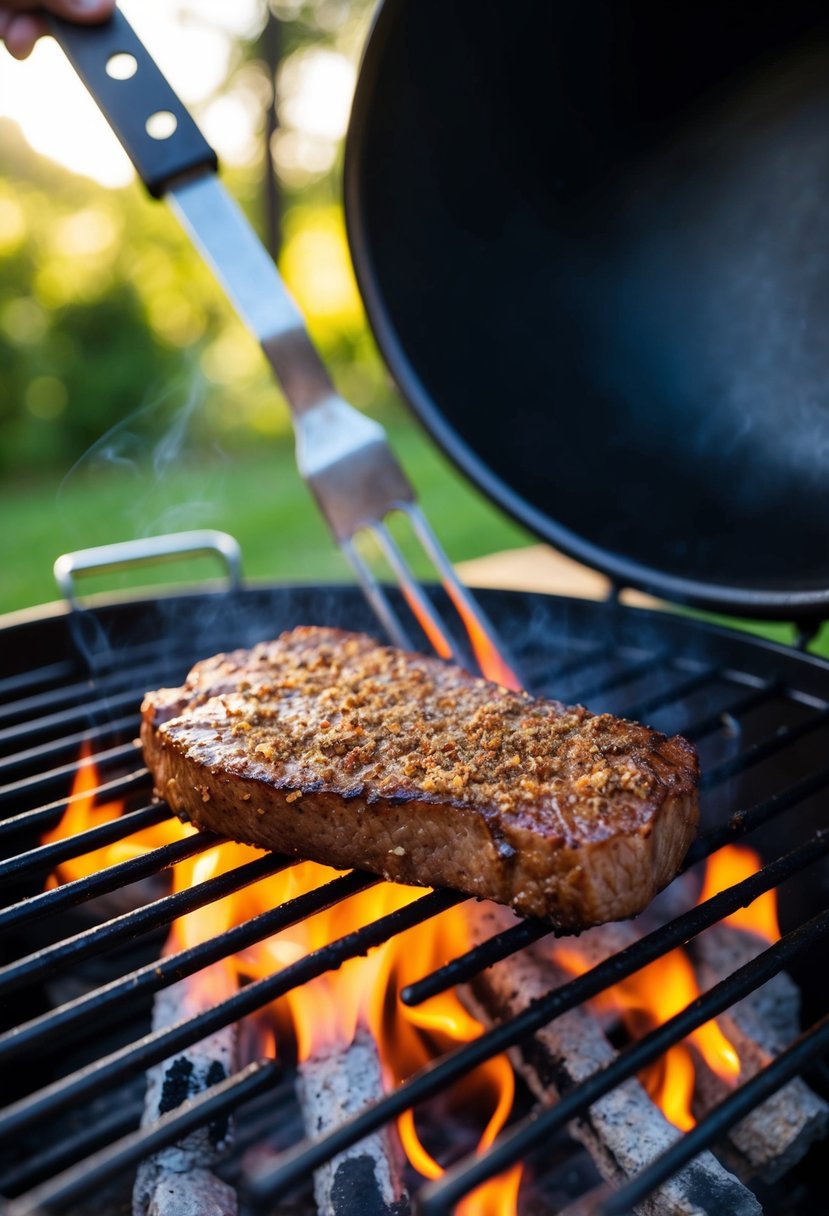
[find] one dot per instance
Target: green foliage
(49, 410)
(78, 346)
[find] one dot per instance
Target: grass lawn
(258, 498)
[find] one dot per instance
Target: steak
(326, 745)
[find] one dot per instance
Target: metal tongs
(343, 455)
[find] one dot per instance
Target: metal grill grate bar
(438, 1198)
(43, 817)
(782, 738)
(47, 856)
(155, 1047)
(75, 673)
(671, 696)
(112, 879)
(61, 701)
(70, 743)
(53, 673)
(15, 736)
(211, 1104)
(695, 731)
(631, 671)
(744, 821)
(65, 673)
(57, 776)
(473, 961)
(70, 1148)
(572, 665)
(809, 1046)
(278, 1180)
(100, 938)
(106, 1001)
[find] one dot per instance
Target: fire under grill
(83, 975)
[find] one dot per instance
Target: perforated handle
(145, 552)
(158, 134)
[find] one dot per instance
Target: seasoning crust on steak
(326, 745)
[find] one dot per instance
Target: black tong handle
(131, 103)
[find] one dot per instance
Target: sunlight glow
(317, 86)
(72, 132)
(193, 45)
(12, 225)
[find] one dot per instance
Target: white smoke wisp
(153, 449)
(147, 466)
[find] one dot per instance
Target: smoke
(149, 451)
(153, 473)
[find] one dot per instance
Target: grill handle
(159, 136)
(147, 551)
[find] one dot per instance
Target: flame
(411, 1036)
(647, 999)
(83, 812)
(435, 635)
(731, 865)
(492, 664)
(657, 992)
(325, 1012)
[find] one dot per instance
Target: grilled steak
(326, 745)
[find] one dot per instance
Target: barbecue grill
(81, 969)
(756, 710)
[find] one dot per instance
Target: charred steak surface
(327, 745)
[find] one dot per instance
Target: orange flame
(83, 812)
(435, 636)
(411, 1036)
(492, 664)
(326, 1011)
(657, 992)
(647, 999)
(731, 865)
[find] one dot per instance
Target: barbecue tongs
(343, 455)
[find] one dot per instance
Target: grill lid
(586, 240)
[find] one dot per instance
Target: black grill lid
(591, 242)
